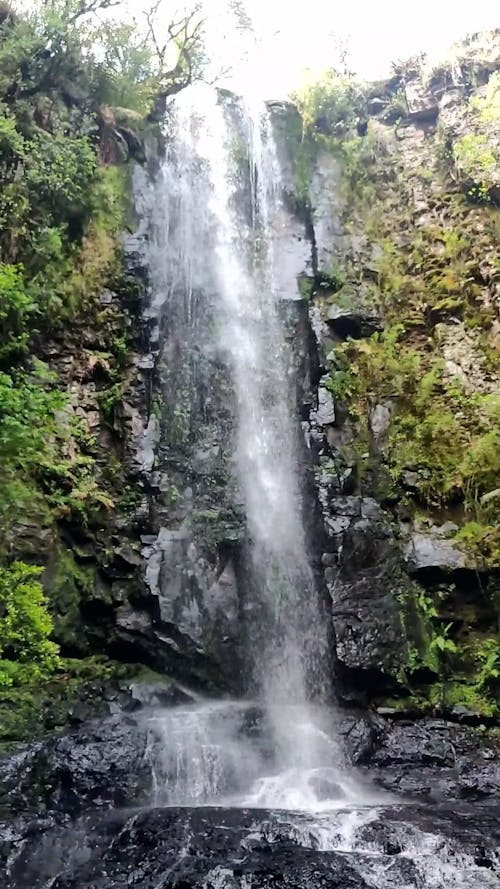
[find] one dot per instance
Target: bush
(25, 624)
(330, 106)
(16, 309)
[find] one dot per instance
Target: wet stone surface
(77, 814)
(226, 848)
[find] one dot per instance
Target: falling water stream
(221, 238)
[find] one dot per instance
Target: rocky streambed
(81, 811)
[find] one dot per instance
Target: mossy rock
(72, 588)
(32, 711)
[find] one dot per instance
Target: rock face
(192, 602)
(400, 583)
(164, 582)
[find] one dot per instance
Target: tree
(178, 57)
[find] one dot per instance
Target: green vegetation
(422, 278)
(475, 154)
(330, 106)
(32, 706)
(451, 438)
(78, 94)
(330, 110)
(450, 662)
(25, 626)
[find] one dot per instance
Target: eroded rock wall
(404, 308)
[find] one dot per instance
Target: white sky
(295, 36)
(301, 34)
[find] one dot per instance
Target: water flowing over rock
(224, 305)
(273, 588)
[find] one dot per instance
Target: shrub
(25, 623)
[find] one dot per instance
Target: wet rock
(211, 848)
(380, 419)
(414, 744)
(430, 552)
(164, 693)
(226, 849)
(370, 642)
(129, 618)
(196, 631)
(359, 736)
(101, 763)
(435, 759)
(391, 847)
(352, 322)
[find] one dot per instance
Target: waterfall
(221, 239)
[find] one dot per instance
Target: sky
(294, 37)
(303, 34)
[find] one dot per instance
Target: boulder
(353, 320)
(100, 763)
(325, 413)
(371, 643)
(430, 553)
(380, 419)
(422, 103)
(433, 758)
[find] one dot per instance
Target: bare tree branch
(88, 7)
(185, 36)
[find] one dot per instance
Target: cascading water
(218, 257)
(220, 234)
(251, 333)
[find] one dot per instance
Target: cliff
(400, 180)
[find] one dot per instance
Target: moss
(34, 710)
(442, 698)
(69, 584)
(461, 693)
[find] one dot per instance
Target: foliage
(476, 160)
(481, 539)
(33, 706)
(488, 659)
(475, 154)
(28, 430)
(16, 310)
(449, 437)
(75, 94)
(25, 624)
(329, 106)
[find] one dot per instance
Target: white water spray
(220, 233)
